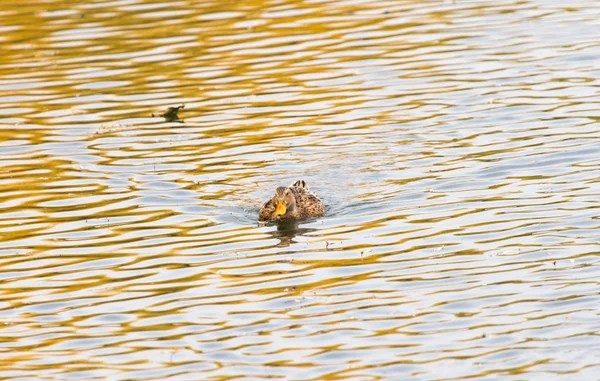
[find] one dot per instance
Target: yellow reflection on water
(453, 142)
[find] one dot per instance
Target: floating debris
(110, 128)
(172, 114)
(495, 253)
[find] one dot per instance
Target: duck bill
(280, 209)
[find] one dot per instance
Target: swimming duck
(293, 202)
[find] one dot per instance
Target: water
(455, 144)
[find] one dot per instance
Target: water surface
(455, 143)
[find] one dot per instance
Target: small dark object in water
(171, 114)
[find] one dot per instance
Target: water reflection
(287, 230)
(454, 144)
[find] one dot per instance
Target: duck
(293, 202)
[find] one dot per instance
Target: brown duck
(293, 202)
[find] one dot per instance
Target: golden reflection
(455, 141)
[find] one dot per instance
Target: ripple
(452, 142)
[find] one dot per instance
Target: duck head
(285, 202)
